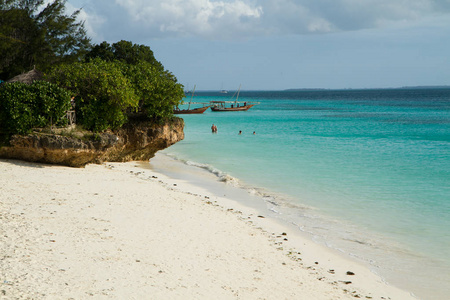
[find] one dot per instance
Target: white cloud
(193, 17)
(343, 15)
(231, 19)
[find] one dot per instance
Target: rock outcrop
(135, 141)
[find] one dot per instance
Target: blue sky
(282, 44)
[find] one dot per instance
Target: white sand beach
(118, 231)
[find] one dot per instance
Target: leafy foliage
(126, 52)
(108, 81)
(102, 92)
(158, 91)
(23, 107)
(32, 34)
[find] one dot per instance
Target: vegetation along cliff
(87, 103)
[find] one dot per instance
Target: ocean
(366, 172)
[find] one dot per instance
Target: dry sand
(116, 231)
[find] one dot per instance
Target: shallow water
(366, 172)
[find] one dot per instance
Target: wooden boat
(198, 110)
(233, 105)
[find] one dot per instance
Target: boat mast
(237, 96)
(192, 95)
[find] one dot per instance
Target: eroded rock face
(138, 141)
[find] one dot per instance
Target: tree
(104, 51)
(18, 36)
(158, 91)
(126, 52)
(102, 92)
(34, 35)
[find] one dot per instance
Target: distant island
(306, 90)
(420, 87)
(426, 87)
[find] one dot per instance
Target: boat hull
(241, 108)
(199, 110)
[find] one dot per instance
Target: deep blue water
(363, 171)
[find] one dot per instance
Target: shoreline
(118, 230)
(423, 276)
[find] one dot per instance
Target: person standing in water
(214, 128)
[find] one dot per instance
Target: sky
(283, 44)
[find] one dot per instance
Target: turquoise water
(363, 171)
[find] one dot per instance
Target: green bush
(124, 51)
(23, 107)
(102, 92)
(52, 103)
(157, 90)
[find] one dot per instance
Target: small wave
(269, 197)
(274, 210)
(222, 176)
(358, 242)
(306, 218)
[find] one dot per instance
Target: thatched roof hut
(28, 77)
